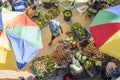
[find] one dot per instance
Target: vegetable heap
(79, 31)
(92, 49)
(67, 13)
(113, 2)
(44, 19)
(43, 67)
(59, 55)
(72, 41)
(83, 59)
(40, 66)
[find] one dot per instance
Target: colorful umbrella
(20, 40)
(105, 29)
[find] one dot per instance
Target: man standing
(54, 28)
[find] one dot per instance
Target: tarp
(20, 40)
(115, 10)
(105, 29)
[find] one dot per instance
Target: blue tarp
(1, 24)
(22, 53)
(114, 9)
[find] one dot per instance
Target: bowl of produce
(67, 15)
(43, 67)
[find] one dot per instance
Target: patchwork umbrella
(105, 29)
(20, 40)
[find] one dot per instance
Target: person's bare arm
(61, 29)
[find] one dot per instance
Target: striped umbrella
(20, 40)
(105, 29)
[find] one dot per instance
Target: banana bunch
(81, 32)
(42, 19)
(39, 23)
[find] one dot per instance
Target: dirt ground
(46, 35)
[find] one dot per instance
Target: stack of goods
(43, 67)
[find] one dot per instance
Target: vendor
(75, 67)
(54, 28)
(112, 71)
(31, 11)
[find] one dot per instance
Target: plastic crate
(79, 36)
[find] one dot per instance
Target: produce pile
(83, 59)
(43, 67)
(91, 49)
(44, 19)
(80, 32)
(72, 41)
(113, 2)
(67, 13)
(92, 55)
(59, 55)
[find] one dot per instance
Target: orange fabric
(23, 20)
(9, 17)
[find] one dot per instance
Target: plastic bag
(20, 5)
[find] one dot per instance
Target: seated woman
(31, 11)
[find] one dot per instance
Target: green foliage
(67, 13)
(113, 2)
(75, 26)
(54, 12)
(44, 19)
(49, 16)
(79, 30)
(49, 67)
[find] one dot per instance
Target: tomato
(67, 78)
(74, 45)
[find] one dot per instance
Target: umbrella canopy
(20, 40)
(105, 29)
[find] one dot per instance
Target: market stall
(77, 55)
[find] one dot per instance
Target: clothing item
(20, 5)
(54, 27)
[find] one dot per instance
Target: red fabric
(1, 32)
(101, 33)
(22, 20)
